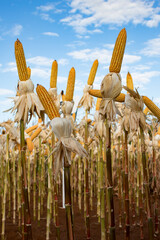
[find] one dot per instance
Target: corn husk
(56, 98)
(99, 125)
(62, 129)
(110, 89)
(87, 100)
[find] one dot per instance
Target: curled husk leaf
(110, 89)
(99, 125)
(66, 144)
(67, 107)
(27, 102)
(56, 98)
(87, 100)
(134, 116)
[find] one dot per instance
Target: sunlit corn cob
(129, 81)
(146, 110)
(53, 78)
(97, 93)
(29, 72)
(93, 73)
(98, 103)
(152, 107)
(36, 133)
(21, 61)
(74, 116)
(63, 96)
(47, 102)
(118, 52)
(70, 85)
(89, 120)
(30, 129)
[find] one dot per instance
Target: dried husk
(56, 98)
(87, 100)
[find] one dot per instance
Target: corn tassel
(93, 73)
(47, 102)
(21, 61)
(53, 78)
(118, 52)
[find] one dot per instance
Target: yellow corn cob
(29, 72)
(93, 73)
(93, 123)
(30, 129)
(70, 85)
(89, 120)
(152, 107)
(21, 61)
(36, 133)
(98, 103)
(74, 116)
(97, 93)
(118, 52)
(129, 81)
(53, 79)
(146, 110)
(47, 102)
(30, 144)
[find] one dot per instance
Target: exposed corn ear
(30, 144)
(29, 72)
(97, 93)
(93, 73)
(146, 110)
(47, 102)
(30, 129)
(152, 107)
(118, 52)
(36, 133)
(70, 85)
(74, 116)
(120, 98)
(98, 103)
(89, 120)
(129, 81)
(21, 61)
(53, 78)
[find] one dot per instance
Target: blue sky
(75, 33)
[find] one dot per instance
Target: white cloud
(0, 65)
(103, 56)
(98, 12)
(51, 34)
(46, 8)
(15, 30)
(4, 91)
(152, 47)
(63, 61)
(46, 17)
(40, 61)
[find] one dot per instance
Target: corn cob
(74, 116)
(29, 72)
(146, 110)
(93, 73)
(70, 85)
(36, 133)
(97, 93)
(47, 102)
(30, 144)
(30, 129)
(53, 79)
(89, 120)
(98, 103)
(21, 61)
(118, 52)
(152, 107)
(129, 81)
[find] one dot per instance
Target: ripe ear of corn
(47, 102)
(29, 72)
(146, 110)
(95, 93)
(30, 129)
(152, 107)
(129, 81)
(30, 144)
(70, 85)
(53, 78)
(93, 73)
(98, 103)
(118, 52)
(36, 133)
(21, 61)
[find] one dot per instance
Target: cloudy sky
(75, 33)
